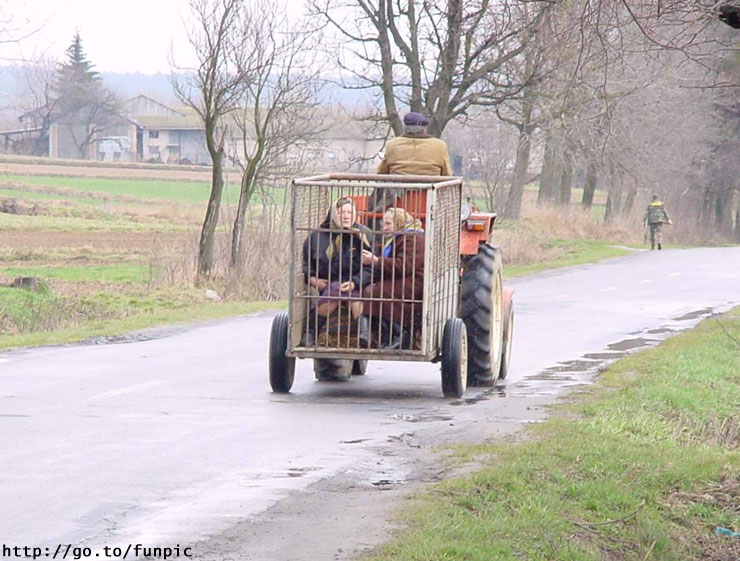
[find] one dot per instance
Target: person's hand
(318, 284)
(348, 286)
(670, 222)
(368, 258)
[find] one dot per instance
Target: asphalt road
(178, 440)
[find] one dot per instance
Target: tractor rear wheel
(454, 358)
(281, 367)
(481, 308)
(332, 369)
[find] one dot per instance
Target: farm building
(145, 130)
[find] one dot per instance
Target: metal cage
(405, 314)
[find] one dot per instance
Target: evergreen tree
(77, 84)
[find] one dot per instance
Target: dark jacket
(345, 263)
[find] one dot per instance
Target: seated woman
(332, 263)
(396, 295)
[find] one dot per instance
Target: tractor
(461, 315)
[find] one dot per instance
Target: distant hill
(128, 85)
(156, 86)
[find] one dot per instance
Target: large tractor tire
(508, 339)
(481, 308)
(332, 369)
(454, 358)
(281, 367)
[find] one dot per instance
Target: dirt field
(81, 168)
(98, 241)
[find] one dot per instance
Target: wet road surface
(178, 440)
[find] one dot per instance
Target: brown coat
(401, 277)
(415, 155)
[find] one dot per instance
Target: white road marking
(674, 274)
(129, 389)
(645, 281)
(608, 289)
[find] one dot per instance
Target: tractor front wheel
(508, 339)
(454, 358)
(481, 308)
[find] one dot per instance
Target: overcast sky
(118, 36)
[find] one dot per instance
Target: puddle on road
(573, 366)
(605, 356)
(553, 380)
(631, 344)
(419, 418)
(695, 315)
(660, 331)
(485, 395)
(289, 473)
(386, 484)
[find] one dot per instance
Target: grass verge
(117, 272)
(570, 253)
(642, 466)
(140, 313)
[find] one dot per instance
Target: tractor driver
(415, 152)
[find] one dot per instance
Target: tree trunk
(566, 180)
(513, 208)
(705, 216)
(629, 199)
(206, 257)
(550, 174)
(248, 184)
(590, 187)
(614, 201)
(723, 211)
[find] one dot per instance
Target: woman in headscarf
(332, 262)
(399, 273)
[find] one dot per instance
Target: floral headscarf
(403, 220)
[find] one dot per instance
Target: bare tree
(437, 58)
(278, 116)
(36, 103)
(487, 147)
(212, 89)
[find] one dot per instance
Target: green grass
(36, 196)
(643, 466)
(577, 252)
(182, 191)
(179, 191)
(119, 273)
(29, 318)
(153, 310)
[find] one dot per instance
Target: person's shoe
(660, 246)
(363, 331)
(395, 337)
(308, 339)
